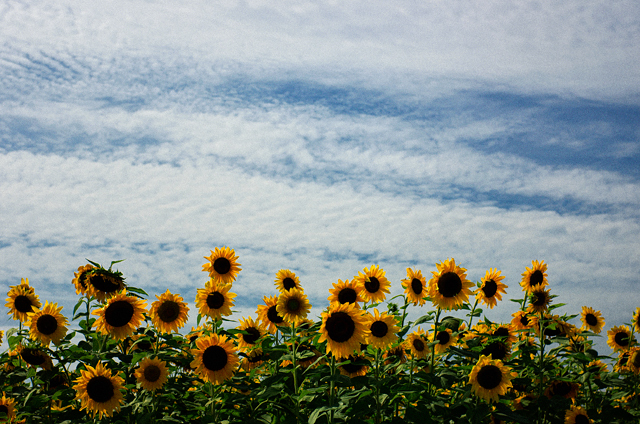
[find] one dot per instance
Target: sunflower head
(634, 360)
(373, 284)
(539, 300)
(222, 265)
(169, 312)
(343, 328)
(287, 280)
(254, 329)
(449, 287)
(534, 277)
(444, 337)
(636, 320)
(215, 300)
(346, 292)
(21, 301)
(576, 415)
(152, 374)
(48, 324)
(80, 279)
(415, 287)
(592, 320)
(35, 357)
(293, 306)
(356, 366)
(491, 288)
(619, 338)
(521, 320)
(8, 406)
(490, 379)
(269, 315)
(382, 329)
(104, 283)
(417, 344)
(565, 389)
(215, 358)
(120, 316)
(99, 391)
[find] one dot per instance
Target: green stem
(377, 386)
(433, 348)
(332, 385)
(295, 369)
(472, 311)
(541, 361)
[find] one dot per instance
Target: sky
(322, 137)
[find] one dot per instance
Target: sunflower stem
(295, 369)
(377, 386)
(541, 362)
(433, 348)
(332, 388)
(472, 313)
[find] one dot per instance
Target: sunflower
(344, 329)
(444, 337)
(417, 344)
(490, 292)
(382, 329)
(534, 277)
(48, 324)
(99, 390)
(415, 287)
(539, 299)
(521, 320)
(489, 378)
(293, 306)
(356, 367)
(255, 330)
(565, 389)
(346, 292)
(8, 406)
(268, 313)
(1, 334)
(287, 280)
(449, 287)
(152, 374)
(120, 316)
(634, 360)
(169, 312)
(80, 280)
(576, 415)
(22, 300)
(215, 358)
(373, 284)
(104, 283)
(619, 338)
(35, 357)
(254, 359)
(395, 355)
(215, 300)
(592, 320)
(222, 266)
(636, 320)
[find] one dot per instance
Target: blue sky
(323, 138)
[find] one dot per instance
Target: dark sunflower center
(100, 389)
(561, 388)
(47, 325)
(293, 305)
(222, 265)
(416, 286)
(288, 283)
(215, 300)
(379, 329)
(347, 295)
(144, 345)
(82, 278)
(443, 337)
(32, 356)
(23, 304)
(449, 284)
(214, 358)
(536, 278)
(169, 311)
(581, 419)
(489, 288)
(635, 360)
(501, 332)
(103, 283)
(497, 350)
(351, 368)
(622, 338)
(5, 409)
(273, 316)
(152, 373)
(418, 345)
(119, 313)
(253, 335)
(539, 299)
(372, 284)
(340, 327)
(489, 377)
(591, 320)
(524, 320)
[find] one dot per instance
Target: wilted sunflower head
(48, 324)
(215, 300)
(293, 306)
(104, 283)
(490, 379)
(80, 280)
(415, 287)
(565, 389)
(35, 357)
(373, 284)
(287, 280)
(268, 313)
(169, 312)
(99, 390)
(346, 292)
(120, 316)
(222, 266)
(492, 288)
(21, 301)
(343, 328)
(449, 287)
(534, 277)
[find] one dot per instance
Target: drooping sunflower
(539, 299)
(80, 280)
(287, 280)
(534, 277)
(152, 374)
(35, 357)
(48, 324)
(254, 359)
(592, 320)
(215, 300)
(373, 284)
(356, 367)
(256, 329)
(444, 337)
(490, 379)
(492, 288)
(346, 292)
(636, 320)
(449, 287)
(634, 360)
(565, 389)
(120, 316)
(576, 415)
(416, 343)
(104, 283)
(99, 390)
(293, 306)
(215, 358)
(415, 287)
(268, 313)
(8, 406)
(169, 312)
(222, 266)
(22, 300)
(619, 338)
(343, 328)
(382, 329)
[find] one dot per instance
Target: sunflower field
(120, 357)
